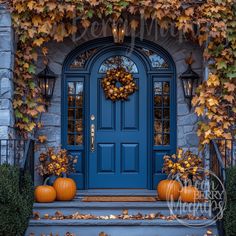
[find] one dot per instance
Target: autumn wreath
(113, 78)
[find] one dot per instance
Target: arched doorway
(131, 137)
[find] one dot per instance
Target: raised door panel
(130, 157)
(130, 112)
(106, 158)
(106, 111)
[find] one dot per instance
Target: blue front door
(120, 154)
(130, 137)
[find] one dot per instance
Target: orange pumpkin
(190, 194)
(45, 193)
(168, 190)
(65, 189)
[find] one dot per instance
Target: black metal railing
(222, 156)
(19, 153)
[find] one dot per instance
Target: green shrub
(230, 213)
(15, 206)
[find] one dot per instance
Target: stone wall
(6, 75)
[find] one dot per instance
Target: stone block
(6, 61)
(53, 134)
(180, 132)
(6, 88)
(190, 119)
(181, 142)
(3, 131)
(182, 109)
(5, 19)
(6, 43)
(55, 108)
(5, 104)
(192, 139)
(50, 119)
(5, 117)
(188, 129)
(6, 73)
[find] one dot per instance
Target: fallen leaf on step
(113, 217)
(36, 215)
(125, 212)
(102, 234)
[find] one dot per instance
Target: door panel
(130, 119)
(120, 156)
(130, 158)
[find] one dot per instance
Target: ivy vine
(39, 21)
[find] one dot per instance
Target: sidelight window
(162, 113)
(75, 113)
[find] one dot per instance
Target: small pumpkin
(168, 190)
(65, 188)
(190, 194)
(44, 193)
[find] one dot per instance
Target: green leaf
(32, 85)
(18, 114)
(32, 69)
(221, 65)
(90, 13)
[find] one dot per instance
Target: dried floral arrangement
(184, 164)
(118, 75)
(55, 162)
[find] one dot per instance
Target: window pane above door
(118, 61)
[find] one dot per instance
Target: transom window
(118, 61)
(161, 113)
(156, 60)
(82, 58)
(75, 113)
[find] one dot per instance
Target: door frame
(104, 45)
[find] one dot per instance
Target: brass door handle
(92, 138)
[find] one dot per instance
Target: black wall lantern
(47, 79)
(189, 81)
(118, 30)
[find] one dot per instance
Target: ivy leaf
(221, 65)
(18, 114)
(230, 86)
(199, 111)
(38, 42)
(229, 98)
(40, 108)
(90, 13)
(32, 69)
(134, 24)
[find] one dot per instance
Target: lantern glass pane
(188, 87)
(49, 87)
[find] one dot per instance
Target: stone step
(116, 208)
(119, 227)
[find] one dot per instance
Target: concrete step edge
(158, 222)
(100, 205)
